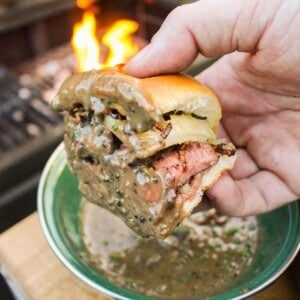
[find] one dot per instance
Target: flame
(84, 4)
(85, 43)
(118, 39)
(86, 46)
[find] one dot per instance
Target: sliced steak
(191, 158)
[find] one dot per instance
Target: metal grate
(29, 130)
(45, 73)
(24, 115)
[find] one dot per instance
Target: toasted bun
(182, 93)
(156, 95)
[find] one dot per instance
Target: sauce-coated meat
(191, 158)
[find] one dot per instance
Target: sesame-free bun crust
(182, 93)
(156, 95)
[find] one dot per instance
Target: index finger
(212, 28)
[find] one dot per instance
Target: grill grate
(46, 72)
(24, 114)
(29, 131)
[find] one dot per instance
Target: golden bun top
(182, 93)
(156, 95)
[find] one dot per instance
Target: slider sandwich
(145, 149)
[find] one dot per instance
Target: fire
(118, 40)
(86, 45)
(84, 4)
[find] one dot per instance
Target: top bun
(182, 93)
(155, 95)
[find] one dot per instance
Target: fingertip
(171, 50)
(155, 59)
(137, 65)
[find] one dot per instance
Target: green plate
(59, 204)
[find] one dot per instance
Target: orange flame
(85, 43)
(118, 39)
(84, 4)
(86, 46)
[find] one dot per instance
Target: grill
(29, 129)
(27, 125)
(24, 114)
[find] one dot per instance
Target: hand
(258, 83)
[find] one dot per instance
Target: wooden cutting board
(33, 270)
(35, 273)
